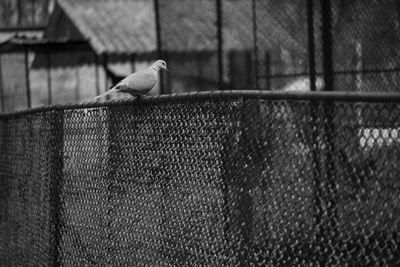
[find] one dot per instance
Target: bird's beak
(166, 69)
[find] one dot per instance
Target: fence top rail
(337, 96)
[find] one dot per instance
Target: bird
(138, 83)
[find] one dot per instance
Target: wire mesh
(192, 23)
(266, 44)
(365, 45)
(211, 181)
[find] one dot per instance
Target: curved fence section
(216, 179)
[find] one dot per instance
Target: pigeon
(138, 83)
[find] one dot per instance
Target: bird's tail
(105, 94)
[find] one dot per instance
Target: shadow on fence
(223, 178)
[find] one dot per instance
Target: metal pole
(56, 185)
(33, 9)
(48, 66)
(28, 88)
(255, 44)
(19, 15)
(96, 73)
(200, 72)
(1, 88)
(267, 71)
(314, 117)
(167, 76)
(311, 45)
(327, 40)
(220, 45)
(329, 127)
(106, 77)
(45, 10)
(159, 43)
(132, 60)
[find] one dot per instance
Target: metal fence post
(5, 192)
(255, 44)
(56, 182)
(132, 61)
(240, 175)
(316, 160)
(328, 130)
(326, 29)
(315, 110)
(48, 67)
(267, 70)
(220, 45)
(113, 156)
(1, 87)
(96, 73)
(251, 171)
(106, 76)
(159, 43)
(27, 82)
(311, 45)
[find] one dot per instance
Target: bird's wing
(104, 94)
(138, 83)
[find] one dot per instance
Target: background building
(76, 49)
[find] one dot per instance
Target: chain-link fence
(280, 44)
(223, 179)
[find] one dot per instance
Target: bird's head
(159, 64)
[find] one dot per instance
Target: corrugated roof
(114, 26)
(128, 26)
(191, 25)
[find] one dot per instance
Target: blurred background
(63, 51)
